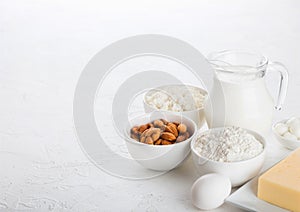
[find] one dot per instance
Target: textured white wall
(44, 45)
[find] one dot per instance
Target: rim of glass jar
(214, 55)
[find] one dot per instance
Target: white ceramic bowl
(198, 115)
(238, 172)
(290, 144)
(159, 157)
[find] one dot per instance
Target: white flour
(228, 145)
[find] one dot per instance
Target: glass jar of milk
(239, 96)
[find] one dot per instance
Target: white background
(44, 45)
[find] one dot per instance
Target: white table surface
(44, 46)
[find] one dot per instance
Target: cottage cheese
(228, 145)
(176, 98)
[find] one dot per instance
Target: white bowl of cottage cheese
(179, 99)
(231, 151)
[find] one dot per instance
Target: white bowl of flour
(231, 151)
(179, 99)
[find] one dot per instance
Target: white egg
(210, 191)
(289, 136)
(281, 128)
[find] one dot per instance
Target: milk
(240, 99)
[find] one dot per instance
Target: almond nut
(182, 128)
(149, 140)
(176, 123)
(168, 136)
(180, 138)
(142, 128)
(142, 139)
(187, 134)
(144, 134)
(134, 130)
(135, 136)
(158, 142)
(164, 121)
(158, 123)
(151, 131)
(172, 129)
(165, 142)
(168, 129)
(155, 136)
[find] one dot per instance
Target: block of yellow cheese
(280, 185)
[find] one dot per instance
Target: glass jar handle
(283, 84)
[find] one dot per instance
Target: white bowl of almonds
(160, 140)
(179, 99)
